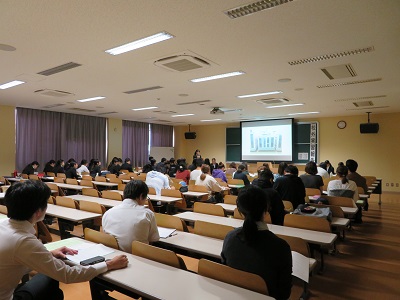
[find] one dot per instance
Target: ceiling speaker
(190, 135)
(369, 128)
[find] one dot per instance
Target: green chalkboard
(233, 144)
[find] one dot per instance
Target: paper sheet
(165, 232)
(89, 252)
(301, 266)
(70, 243)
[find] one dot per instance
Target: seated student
(290, 187)
(131, 221)
(196, 154)
(232, 169)
(183, 173)
(27, 203)
(68, 164)
(94, 167)
(59, 167)
(160, 167)
(116, 166)
(253, 248)
(196, 172)
(352, 165)
(113, 161)
(127, 165)
(49, 166)
(31, 168)
(329, 168)
(322, 171)
(276, 208)
(173, 167)
(155, 179)
(71, 172)
(211, 184)
(83, 167)
(281, 170)
(219, 172)
(241, 174)
(343, 187)
(310, 178)
(214, 165)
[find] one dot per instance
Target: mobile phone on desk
(92, 261)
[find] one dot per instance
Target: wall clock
(341, 124)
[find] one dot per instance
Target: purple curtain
(135, 142)
(161, 135)
(44, 135)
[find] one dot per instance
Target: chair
(61, 175)
(4, 188)
(232, 276)
(219, 180)
(71, 181)
(288, 205)
(4, 180)
(124, 171)
(51, 200)
(200, 189)
(94, 208)
(230, 199)
(24, 176)
(59, 180)
(142, 176)
(87, 177)
(176, 194)
(121, 186)
(85, 173)
(88, 183)
(216, 231)
(340, 201)
(100, 178)
(33, 177)
(111, 195)
(101, 238)
(163, 256)
(67, 202)
(124, 177)
(169, 221)
(152, 191)
(50, 174)
(237, 214)
(91, 192)
(3, 209)
(370, 180)
(115, 180)
(209, 209)
(43, 233)
(109, 175)
(192, 182)
(235, 181)
(54, 189)
(307, 222)
(311, 192)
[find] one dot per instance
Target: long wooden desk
(102, 201)
(71, 186)
(154, 280)
(165, 199)
(105, 184)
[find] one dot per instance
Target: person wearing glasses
(131, 221)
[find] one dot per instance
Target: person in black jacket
(127, 165)
(31, 168)
(71, 172)
(290, 187)
(94, 167)
(59, 167)
(49, 167)
(240, 174)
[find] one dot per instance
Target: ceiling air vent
(182, 63)
(363, 103)
(273, 101)
(348, 83)
(53, 93)
(53, 105)
(339, 71)
(200, 102)
(144, 89)
(59, 69)
(107, 113)
(164, 112)
(360, 98)
(82, 109)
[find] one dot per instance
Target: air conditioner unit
(53, 93)
(182, 63)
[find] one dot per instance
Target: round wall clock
(341, 124)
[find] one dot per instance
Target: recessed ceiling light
(144, 108)
(174, 116)
(284, 80)
(211, 120)
(218, 76)
(298, 89)
(11, 84)
(90, 99)
(304, 113)
(156, 38)
(285, 105)
(260, 94)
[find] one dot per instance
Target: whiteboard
(160, 152)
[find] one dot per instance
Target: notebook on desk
(165, 232)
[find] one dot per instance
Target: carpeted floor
(367, 265)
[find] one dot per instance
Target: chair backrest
(51, 174)
(152, 191)
(288, 205)
(121, 186)
(71, 181)
(340, 201)
(33, 177)
(87, 177)
(86, 183)
(326, 182)
(67, 202)
(337, 211)
(217, 231)
(296, 244)
(124, 177)
(171, 193)
(91, 192)
(218, 179)
(232, 276)
(25, 176)
(51, 200)
(53, 187)
(169, 221)
(43, 233)
(124, 171)
(230, 199)
(312, 192)
(160, 255)
(237, 215)
(111, 195)
(341, 193)
(235, 181)
(109, 175)
(85, 173)
(101, 237)
(100, 178)
(199, 188)
(61, 175)
(3, 209)
(115, 180)
(192, 182)
(92, 207)
(370, 180)
(307, 222)
(209, 209)
(360, 190)
(59, 180)
(142, 176)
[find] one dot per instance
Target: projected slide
(267, 140)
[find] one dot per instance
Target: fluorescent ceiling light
(11, 84)
(156, 38)
(285, 105)
(304, 113)
(211, 120)
(218, 76)
(90, 99)
(144, 108)
(174, 116)
(260, 94)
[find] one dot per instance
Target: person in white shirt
(322, 171)
(343, 187)
(83, 167)
(155, 179)
(131, 221)
(21, 251)
(196, 172)
(210, 183)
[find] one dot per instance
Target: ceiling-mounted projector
(216, 111)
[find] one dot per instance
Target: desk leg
(170, 208)
(99, 288)
(65, 226)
